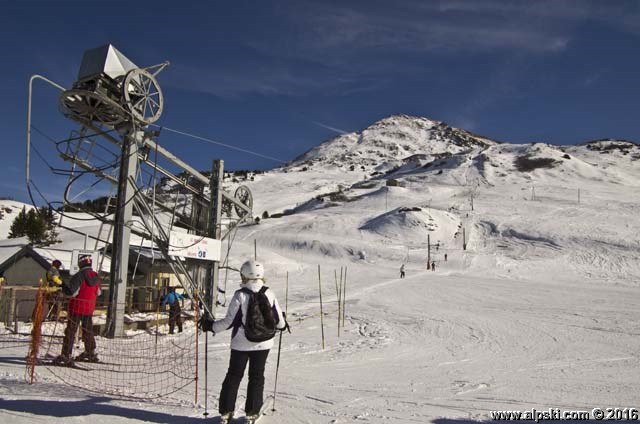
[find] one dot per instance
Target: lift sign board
(95, 256)
(195, 247)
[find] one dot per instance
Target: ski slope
(540, 311)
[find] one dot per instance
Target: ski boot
(226, 418)
(253, 418)
(63, 361)
(88, 357)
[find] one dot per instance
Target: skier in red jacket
(83, 288)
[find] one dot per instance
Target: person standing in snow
(402, 271)
(445, 257)
(433, 265)
(84, 288)
(173, 300)
(242, 349)
(52, 287)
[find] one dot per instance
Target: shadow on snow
(93, 405)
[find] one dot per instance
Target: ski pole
(206, 371)
(275, 387)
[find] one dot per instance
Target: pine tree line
(38, 225)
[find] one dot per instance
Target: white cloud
(427, 26)
(338, 47)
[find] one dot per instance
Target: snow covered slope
(539, 311)
(9, 209)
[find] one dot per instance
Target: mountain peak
(389, 141)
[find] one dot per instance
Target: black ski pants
(237, 363)
(174, 317)
(86, 322)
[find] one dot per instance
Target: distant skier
(445, 257)
(402, 271)
(252, 300)
(173, 300)
(83, 288)
(433, 265)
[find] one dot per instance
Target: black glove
(206, 323)
(286, 323)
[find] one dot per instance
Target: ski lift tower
(113, 93)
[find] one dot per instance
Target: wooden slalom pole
(321, 313)
(338, 290)
(344, 295)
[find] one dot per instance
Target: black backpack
(260, 324)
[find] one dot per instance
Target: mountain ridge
(397, 139)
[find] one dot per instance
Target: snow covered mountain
(390, 142)
(429, 176)
(404, 178)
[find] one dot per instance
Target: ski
(50, 363)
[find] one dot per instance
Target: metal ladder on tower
(99, 238)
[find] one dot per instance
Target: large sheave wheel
(88, 106)
(142, 96)
(243, 195)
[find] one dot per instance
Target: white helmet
(84, 260)
(251, 270)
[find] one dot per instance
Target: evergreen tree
(51, 233)
(36, 228)
(39, 225)
(19, 225)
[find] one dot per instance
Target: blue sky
(278, 77)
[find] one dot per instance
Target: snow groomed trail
(432, 345)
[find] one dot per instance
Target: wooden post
(386, 203)
(12, 310)
(428, 250)
(158, 313)
(344, 295)
(338, 289)
(321, 313)
(341, 295)
(464, 240)
(255, 249)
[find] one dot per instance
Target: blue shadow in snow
(93, 405)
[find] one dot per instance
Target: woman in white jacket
(242, 349)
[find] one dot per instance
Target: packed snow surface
(540, 310)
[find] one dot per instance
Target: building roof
(12, 252)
